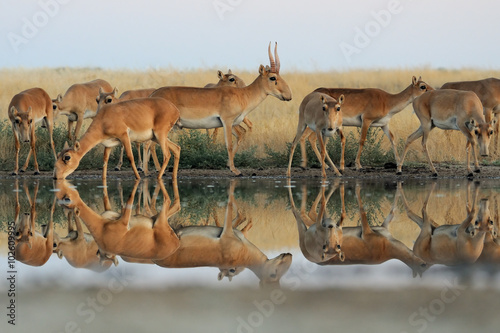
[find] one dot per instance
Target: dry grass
(274, 121)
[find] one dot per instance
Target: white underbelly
(447, 124)
(89, 114)
(351, 121)
(109, 143)
(140, 136)
(208, 122)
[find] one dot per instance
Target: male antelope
(140, 237)
(451, 110)
(322, 114)
(79, 103)
(25, 110)
(32, 248)
(230, 80)
(373, 108)
(451, 244)
(226, 106)
(134, 120)
(488, 91)
(226, 248)
(79, 248)
(354, 245)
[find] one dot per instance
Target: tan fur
(372, 107)
(322, 113)
(225, 106)
(226, 248)
(78, 103)
(25, 110)
(32, 248)
(451, 244)
(488, 91)
(451, 110)
(118, 234)
(153, 118)
(354, 245)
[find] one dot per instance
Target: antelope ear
(493, 121)
(342, 256)
(30, 110)
(341, 99)
(100, 90)
(76, 147)
(220, 75)
(13, 111)
(323, 99)
(60, 254)
(229, 71)
(115, 92)
(59, 98)
(77, 211)
(414, 80)
(471, 124)
(115, 261)
(220, 276)
(66, 145)
(261, 69)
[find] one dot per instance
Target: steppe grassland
(275, 122)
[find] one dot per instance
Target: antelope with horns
(226, 106)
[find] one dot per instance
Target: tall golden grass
(274, 121)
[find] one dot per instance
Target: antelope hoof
(434, 175)
(117, 169)
(36, 173)
(470, 175)
(477, 171)
(13, 173)
(22, 171)
(398, 173)
(139, 169)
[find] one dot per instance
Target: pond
(303, 235)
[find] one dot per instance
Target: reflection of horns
(275, 66)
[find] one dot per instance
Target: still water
(232, 233)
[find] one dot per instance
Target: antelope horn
(277, 58)
(271, 59)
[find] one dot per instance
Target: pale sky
(311, 34)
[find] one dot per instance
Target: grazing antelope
(78, 103)
(353, 245)
(32, 248)
(491, 249)
(125, 122)
(226, 106)
(25, 110)
(451, 110)
(140, 237)
(372, 107)
(322, 114)
(451, 244)
(230, 80)
(488, 91)
(226, 248)
(79, 248)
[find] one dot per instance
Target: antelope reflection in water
(326, 242)
(452, 244)
(32, 247)
(124, 234)
(226, 248)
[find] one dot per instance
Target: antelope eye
(338, 108)
(97, 99)
(31, 120)
(491, 222)
(54, 106)
(324, 108)
(109, 100)
(272, 78)
(476, 223)
(476, 131)
(18, 121)
(67, 157)
(423, 87)
(491, 132)
(231, 79)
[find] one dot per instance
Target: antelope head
(419, 87)
(106, 97)
(483, 133)
(331, 108)
(229, 79)
(483, 223)
(274, 84)
(22, 121)
(229, 272)
(56, 105)
(272, 270)
(23, 231)
(67, 161)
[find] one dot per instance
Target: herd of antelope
(147, 116)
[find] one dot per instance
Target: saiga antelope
(488, 91)
(357, 245)
(32, 248)
(226, 248)
(372, 107)
(451, 110)
(451, 244)
(125, 122)
(119, 234)
(226, 106)
(230, 80)
(78, 103)
(322, 114)
(79, 248)
(25, 110)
